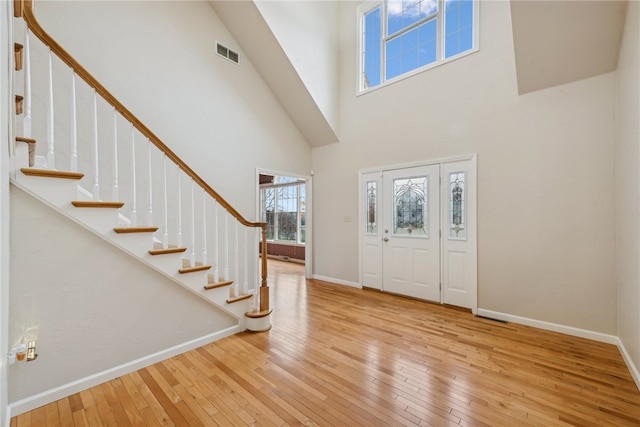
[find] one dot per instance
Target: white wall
(158, 58)
(308, 33)
(545, 173)
(627, 184)
(91, 306)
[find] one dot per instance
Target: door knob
(386, 239)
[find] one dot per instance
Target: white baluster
(179, 208)
(27, 87)
(246, 262)
(204, 227)
(226, 250)
(116, 191)
(74, 125)
(165, 238)
(216, 246)
(235, 257)
(150, 207)
(134, 213)
(255, 258)
(96, 181)
(51, 156)
(193, 229)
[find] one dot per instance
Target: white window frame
(298, 184)
(364, 8)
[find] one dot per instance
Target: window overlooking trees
(401, 36)
(283, 209)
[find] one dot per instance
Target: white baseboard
(633, 369)
(569, 330)
(46, 397)
(337, 281)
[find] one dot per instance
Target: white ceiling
(246, 23)
(558, 41)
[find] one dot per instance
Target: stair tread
(96, 204)
(194, 269)
(239, 298)
(258, 314)
(124, 230)
(166, 251)
(49, 173)
(219, 284)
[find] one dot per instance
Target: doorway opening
(284, 201)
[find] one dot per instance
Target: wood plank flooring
(338, 356)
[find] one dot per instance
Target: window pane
(411, 50)
(458, 25)
(371, 209)
(303, 209)
(403, 13)
(287, 225)
(268, 210)
(287, 213)
(457, 213)
(371, 48)
(411, 217)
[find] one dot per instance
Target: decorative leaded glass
(411, 215)
(371, 220)
(457, 207)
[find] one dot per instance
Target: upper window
(401, 36)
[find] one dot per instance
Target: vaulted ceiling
(558, 42)
(555, 42)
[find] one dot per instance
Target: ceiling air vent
(227, 53)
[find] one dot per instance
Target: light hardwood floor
(338, 356)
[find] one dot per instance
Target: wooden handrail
(25, 8)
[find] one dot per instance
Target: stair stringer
(58, 193)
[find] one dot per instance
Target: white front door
(419, 232)
(411, 228)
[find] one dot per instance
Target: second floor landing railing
(150, 175)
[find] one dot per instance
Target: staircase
(111, 175)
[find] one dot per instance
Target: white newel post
(150, 207)
(192, 258)
(96, 181)
(116, 191)
(179, 208)
(134, 213)
(74, 125)
(165, 237)
(204, 226)
(51, 156)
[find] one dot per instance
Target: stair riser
(137, 244)
(168, 263)
(100, 220)
(57, 192)
(21, 157)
